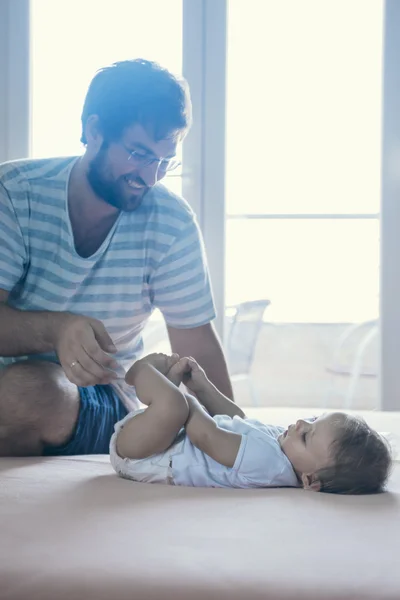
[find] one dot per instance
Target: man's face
(120, 178)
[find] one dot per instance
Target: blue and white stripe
(153, 257)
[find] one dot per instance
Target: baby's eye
(304, 438)
(311, 419)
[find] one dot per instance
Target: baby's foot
(158, 360)
(177, 370)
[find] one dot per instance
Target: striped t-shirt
(153, 257)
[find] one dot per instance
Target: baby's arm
(155, 429)
(194, 377)
(204, 433)
(216, 403)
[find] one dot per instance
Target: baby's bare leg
(155, 429)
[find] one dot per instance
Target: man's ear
(311, 482)
(93, 134)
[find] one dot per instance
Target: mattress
(70, 529)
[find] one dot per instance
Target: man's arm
(81, 343)
(25, 332)
(203, 344)
(21, 332)
(221, 445)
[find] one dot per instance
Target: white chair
(356, 370)
(243, 330)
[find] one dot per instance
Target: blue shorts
(100, 409)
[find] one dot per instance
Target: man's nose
(151, 174)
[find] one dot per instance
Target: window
(72, 39)
(303, 174)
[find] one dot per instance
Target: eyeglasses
(143, 159)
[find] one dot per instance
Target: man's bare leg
(38, 406)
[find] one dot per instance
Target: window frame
(204, 65)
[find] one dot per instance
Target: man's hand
(82, 344)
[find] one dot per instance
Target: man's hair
(138, 91)
(361, 461)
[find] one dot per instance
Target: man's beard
(111, 191)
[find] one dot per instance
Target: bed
(71, 530)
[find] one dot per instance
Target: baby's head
(337, 453)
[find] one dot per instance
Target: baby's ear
(311, 482)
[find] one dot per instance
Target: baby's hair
(361, 460)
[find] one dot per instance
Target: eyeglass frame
(145, 162)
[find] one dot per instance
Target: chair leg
(357, 365)
(253, 393)
(349, 331)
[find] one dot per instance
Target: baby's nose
(301, 424)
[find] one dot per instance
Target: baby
(208, 441)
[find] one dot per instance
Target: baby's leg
(154, 430)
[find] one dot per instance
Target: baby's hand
(187, 371)
(194, 376)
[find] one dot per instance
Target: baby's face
(307, 443)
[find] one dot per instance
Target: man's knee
(37, 404)
(32, 387)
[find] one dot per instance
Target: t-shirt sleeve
(262, 463)
(12, 247)
(181, 286)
